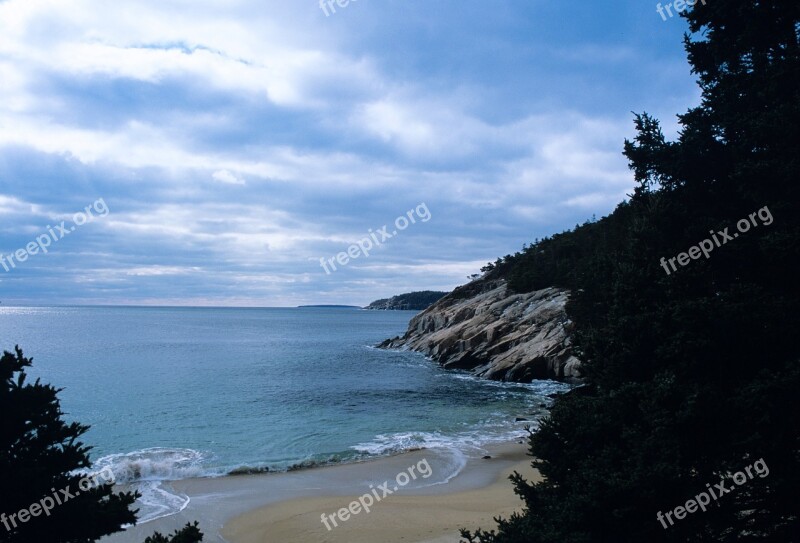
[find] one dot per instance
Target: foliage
(40, 454)
(690, 375)
(188, 534)
(415, 301)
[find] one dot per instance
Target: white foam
(457, 465)
(155, 464)
(469, 443)
(145, 471)
(157, 502)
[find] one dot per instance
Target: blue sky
(235, 143)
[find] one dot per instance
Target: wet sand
(460, 492)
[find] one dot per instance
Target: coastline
(244, 508)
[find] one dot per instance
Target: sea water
(173, 393)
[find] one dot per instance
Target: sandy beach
(461, 491)
(432, 518)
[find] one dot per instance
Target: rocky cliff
(496, 334)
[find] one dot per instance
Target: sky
(231, 152)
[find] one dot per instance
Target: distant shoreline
(329, 306)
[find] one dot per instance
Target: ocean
(174, 393)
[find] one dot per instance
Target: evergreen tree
(46, 496)
(188, 534)
(691, 373)
(40, 456)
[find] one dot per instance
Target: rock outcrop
(496, 334)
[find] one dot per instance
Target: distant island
(413, 301)
(329, 306)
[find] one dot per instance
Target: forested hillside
(685, 302)
(415, 301)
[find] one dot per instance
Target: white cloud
(222, 48)
(224, 176)
(11, 205)
(239, 48)
(300, 139)
(150, 271)
(429, 127)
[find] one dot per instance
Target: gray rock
(483, 328)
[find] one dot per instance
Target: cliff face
(495, 334)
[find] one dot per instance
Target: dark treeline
(416, 301)
(691, 372)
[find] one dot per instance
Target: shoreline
(243, 508)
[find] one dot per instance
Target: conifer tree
(691, 375)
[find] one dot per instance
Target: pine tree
(188, 534)
(691, 375)
(40, 460)
(46, 495)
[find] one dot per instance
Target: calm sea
(172, 393)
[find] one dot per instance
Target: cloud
(224, 176)
(160, 270)
(211, 46)
(236, 143)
